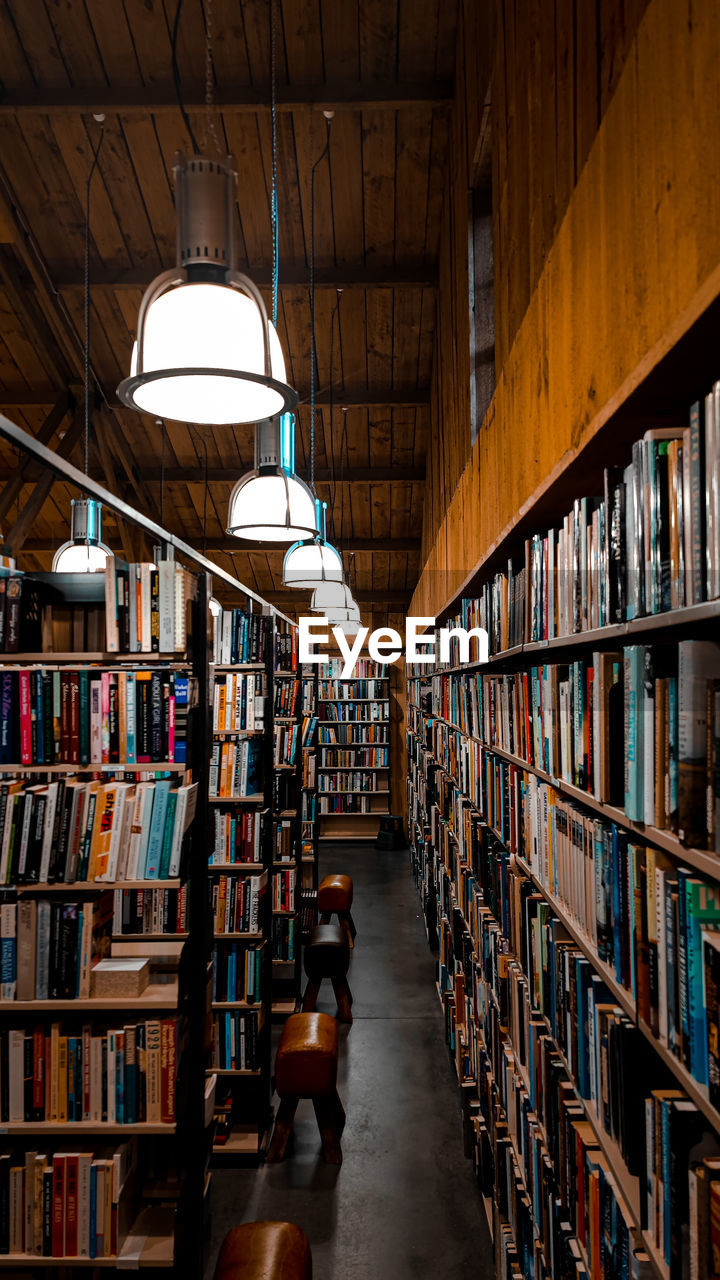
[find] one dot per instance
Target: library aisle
(403, 1204)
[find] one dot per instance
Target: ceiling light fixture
(309, 564)
(85, 552)
(206, 351)
(271, 503)
(331, 596)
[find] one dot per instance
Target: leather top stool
(306, 1067)
(334, 897)
(327, 956)
(265, 1251)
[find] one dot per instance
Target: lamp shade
(331, 596)
(338, 615)
(203, 359)
(206, 351)
(274, 507)
(309, 564)
(349, 628)
(84, 552)
(215, 607)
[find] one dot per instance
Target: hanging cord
(86, 296)
(176, 79)
(313, 346)
(160, 422)
(274, 220)
(210, 104)
(333, 492)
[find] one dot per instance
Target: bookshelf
(287, 808)
(563, 801)
(353, 771)
(310, 828)
(94, 743)
(240, 873)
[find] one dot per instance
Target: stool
(306, 1067)
(265, 1251)
(327, 956)
(334, 897)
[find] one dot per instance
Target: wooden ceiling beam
(413, 276)
(347, 398)
(224, 545)
(17, 477)
(347, 95)
(296, 600)
(323, 475)
(17, 536)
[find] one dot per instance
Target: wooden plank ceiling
(387, 71)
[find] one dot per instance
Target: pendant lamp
(349, 628)
(271, 503)
(206, 351)
(328, 597)
(309, 564)
(215, 607)
(337, 614)
(85, 552)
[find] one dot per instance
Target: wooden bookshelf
(343, 823)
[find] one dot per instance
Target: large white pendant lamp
(84, 552)
(206, 351)
(341, 613)
(271, 503)
(309, 564)
(329, 597)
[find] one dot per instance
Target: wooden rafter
(323, 475)
(415, 276)
(26, 471)
(17, 537)
(149, 99)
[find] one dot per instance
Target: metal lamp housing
(85, 552)
(309, 564)
(206, 351)
(271, 503)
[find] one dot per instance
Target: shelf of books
(353, 771)
(564, 803)
(105, 1114)
(286, 811)
(240, 871)
(309, 829)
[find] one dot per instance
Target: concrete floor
(403, 1205)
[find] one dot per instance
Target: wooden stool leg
(327, 1118)
(342, 995)
(325, 917)
(348, 928)
(309, 1003)
(282, 1130)
(339, 1112)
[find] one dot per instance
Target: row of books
(48, 947)
(286, 648)
(124, 1076)
(283, 890)
(71, 830)
(235, 769)
(237, 836)
(236, 1041)
(344, 804)
(285, 697)
(239, 637)
(354, 712)
(365, 669)
(655, 708)
(649, 544)
(350, 690)
(239, 701)
(285, 743)
(237, 903)
(283, 840)
(309, 770)
(282, 938)
(352, 734)
(369, 758)
(146, 606)
(59, 1204)
(150, 911)
(308, 806)
(237, 974)
(91, 717)
(349, 780)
